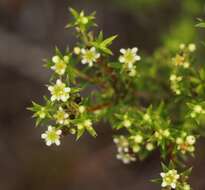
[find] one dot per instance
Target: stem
(99, 107)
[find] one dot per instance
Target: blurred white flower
(59, 91)
(52, 136)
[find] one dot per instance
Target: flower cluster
(172, 179)
(197, 110)
(123, 150)
(181, 62)
(175, 83)
(134, 99)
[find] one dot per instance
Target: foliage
(150, 102)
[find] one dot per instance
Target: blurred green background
(29, 29)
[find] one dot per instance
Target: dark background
(29, 29)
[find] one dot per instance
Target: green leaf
(74, 12)
(91, 131)
(80, 132)
(108, 41)
(200, 25)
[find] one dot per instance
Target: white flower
(61, 116)
(186, 143)
(127, 123)
(132, 72)
(190, 140)
(197, 109)
(52, 136)
(182, 46)
(170, 179)
(129, 57)
(59, 91)
(149, 146)
(175, 78)
(138, 138)
(122, 143)
(59, 64)
(89, 56)
(77, 50)
(192, 47)
(125, 157)
(81, 109)
(160, 134)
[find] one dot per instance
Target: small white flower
(61, 116)
(77, 50)
(182, 46)
(132, 72)
(59, 64)
(125, 157)
(192, 47)
(127, 123)
(170, 179)
(160, 134)
(59, 91)
(198, 109)
(138, 138)
(175, 78)
(129, 56)
(136, 148)
(89, 56)
(149, 146)
(122, 143)
(190, 140)
(81, 109)
(52, 136)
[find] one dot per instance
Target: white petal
(93, 49)
(162, 174)
(53, 98)
(50, 88)
(134, 50)
(53, 67)
(164, 184)
(50, 128)
(97, 56)
(59, 132)
(84, 61)
(56, 59)
(67, 89)
(121, 59)
(90, 63)
(173, 185)
(123, 51)
(83, 51)
(137, 57)
(44, 136)
(57, 142)
(48, 143)
(64, 98)
(58, 81)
